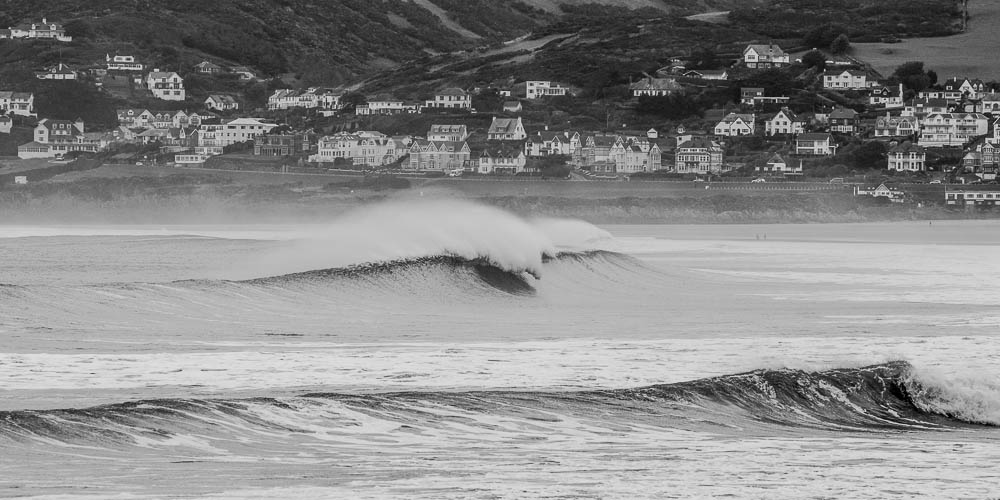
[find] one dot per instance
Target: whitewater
(440, 349)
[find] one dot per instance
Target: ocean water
(448, 350)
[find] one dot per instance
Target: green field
(975, 53)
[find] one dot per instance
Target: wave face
(870, 399)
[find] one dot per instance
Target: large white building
(43, 30)
(907, 157)
(951, 129)
(168, 86)
(846, 79)
(451, 98)
(229, 132)
(122, 63)
(534, 89)
(736, 124)
(372, 149)
(784, 122)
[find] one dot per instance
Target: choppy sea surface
(446, 350)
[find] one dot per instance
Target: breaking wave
(890, 396)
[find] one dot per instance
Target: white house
(784, 122)
(57, 72)
(818, 144)
(707, 74)
(927, 106)
(55, 137)
(736, 124)
(448, 133)
(907, 157)
(44, 30)
(778, 165)
(888, 97)
(439, 156)
(972, 195)
(386, 107)
(229, 132)
(698, 155)
(451, 98)
(122, 63)
(501, 160)
(222, 102)
(764, 56)
(883, 191)
(958, 88)
(168, 86)
(367, 148)
(17, 103)
(506, 129)
(896, 126)
(655, 87)
(845, 79)
(535, 89)
(951, 129)
(554, 143)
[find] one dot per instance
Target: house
(327, 99)
(924, 107)
(134, 117)
(972, 195)
(448, 133)
(632, 155)
(844, 121)
(244, 73)
(222, 102)
(784, 122)
(816, 144)
(177, 138)
(536, 89)
(845, 79)
(512, 107)
(882, 190)
(501, 159)
(896, 126)
(122, 63)
(964, 88)
(44, 30)
(438, 156)
(228, 132)
(386, 106)
(655, 87)
(506, 129)
(764, 56)
(886, 96)
(6, 124)
(207, 68)
(707, 74)
(735, 125)
(907, 157)
(698, 155)
(777, 165)
(988, 103)
(282, 145)
(754, 96)
(451, 98)
(951, 129)
(58, 72)
(554, 143)
(166, 85)
(17, 103)
(363, 148)
(596, 150)
(55, 137)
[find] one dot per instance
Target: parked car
(935, 181)
(760, 179)
(837, 180)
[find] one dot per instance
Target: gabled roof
(504, 125)
(907, 147)
(699, 142)
(838, 72)
(668, 84)
(776, 158)
(732, 117)
(788, 114)
(162, 74)
(844, 113)
(771, 49)
(453, 91)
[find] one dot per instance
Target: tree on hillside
(814, 59)
(871, 155)
(823, 36)
(911, 74)
(840, 45)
